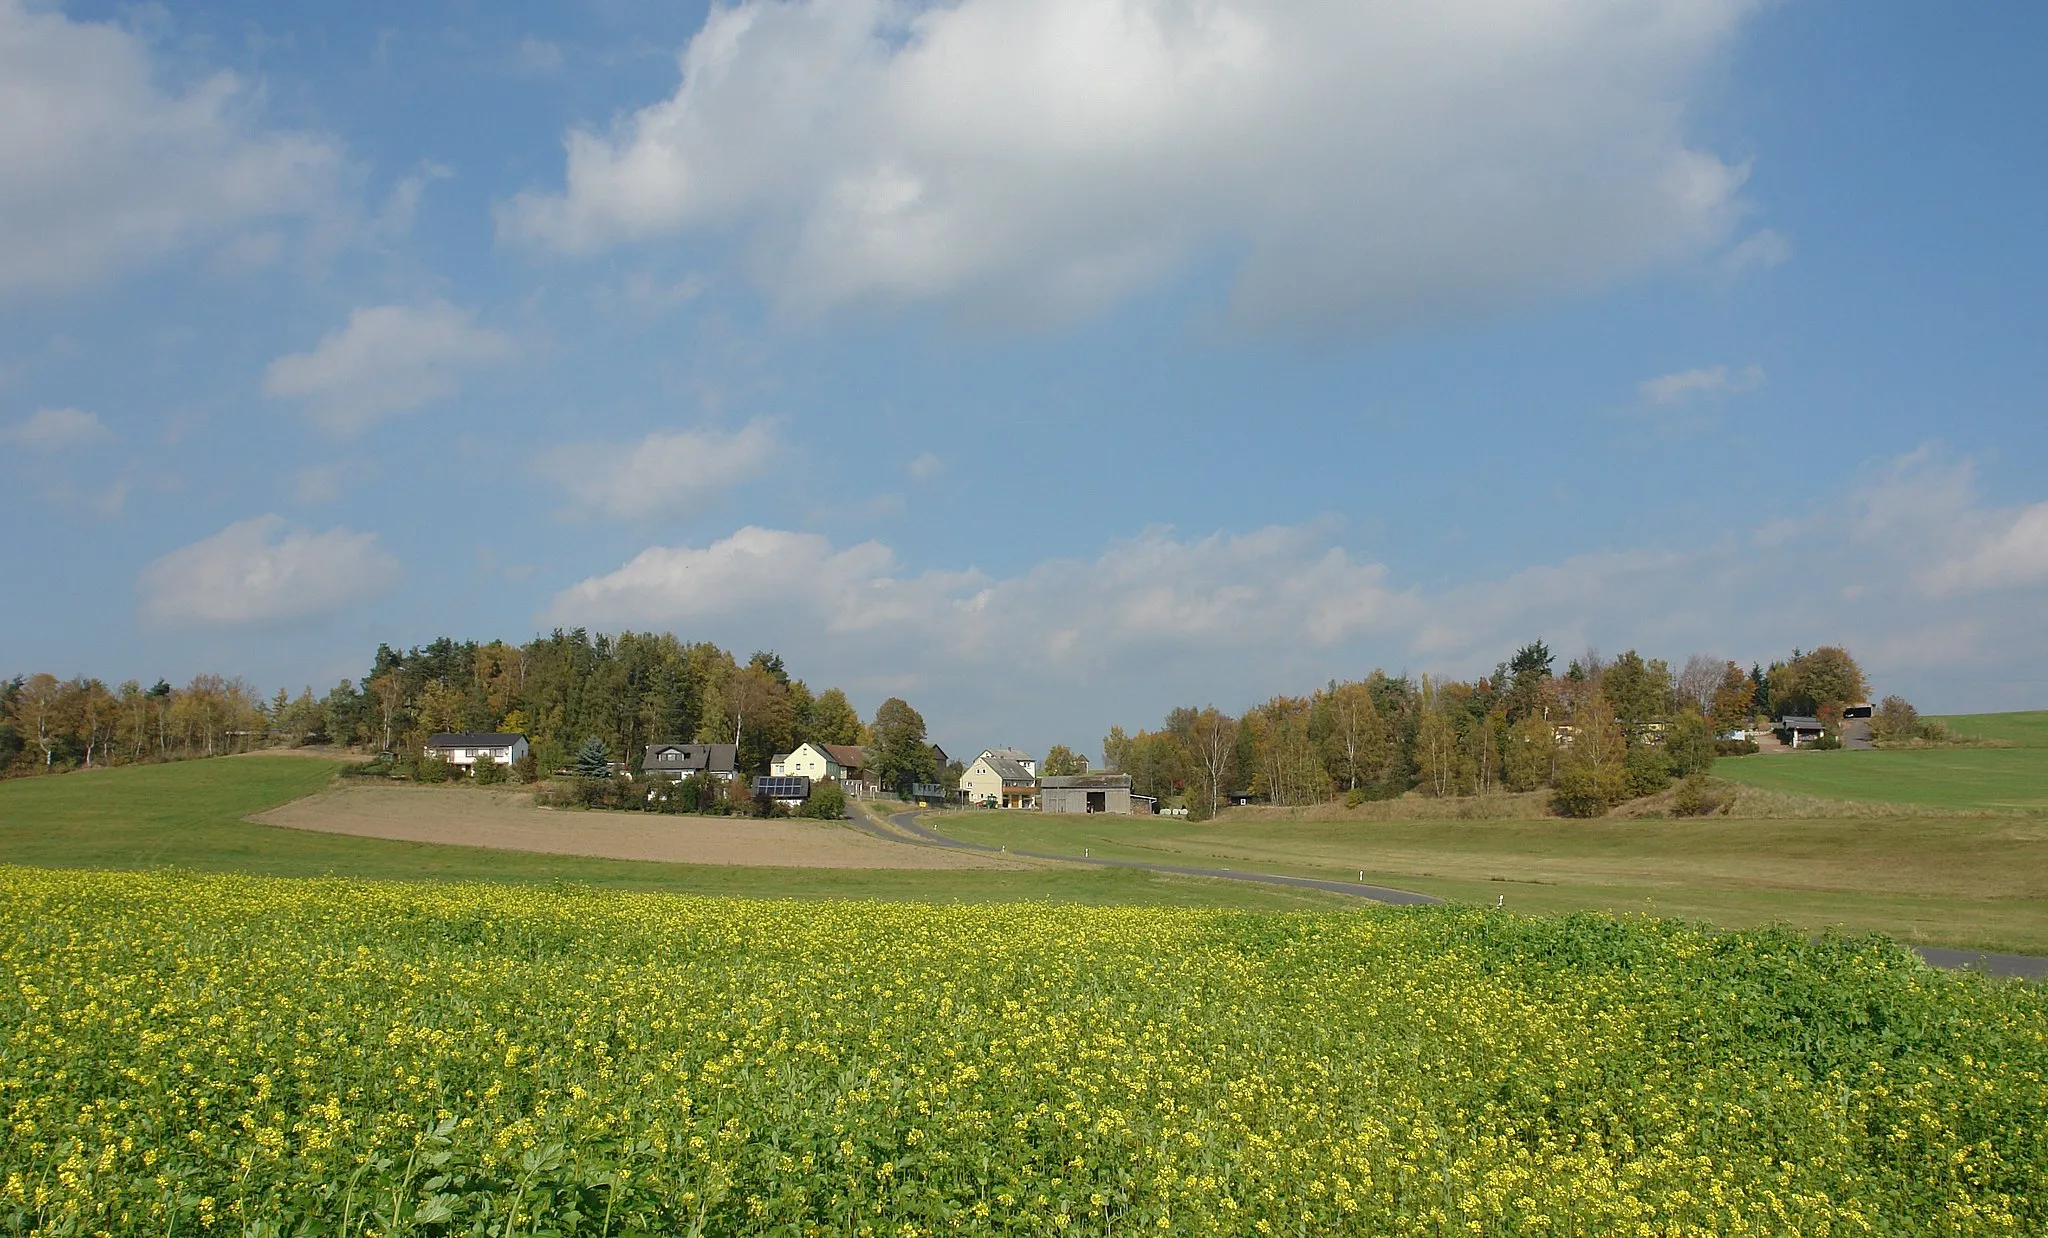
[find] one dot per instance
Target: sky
(1048, 363)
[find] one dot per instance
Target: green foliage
(1647, 769)
(1529, 753)
(527, 768)
(1587, 790)
(1690, 745)
(469, 1059)
(1637, 691)
(827, 802)
(1693, 799)
(1827, 677)
(430, 769)
(900, 755)
(592, 760)
(488, 772)
(1062, 762)
(1736, 748)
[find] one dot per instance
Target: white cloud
(537, 57)
(1669, 389)
(1938, 594)
(103, 167)
(1759, 251)
(264, 570)
(1362, 164)
(53, 429)
(390, 359)
(925, 467)
(663, 474)
(395, 220)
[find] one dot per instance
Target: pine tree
(593, 761)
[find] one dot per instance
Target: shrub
(1828, 742)
(488, 772)
(1586, 790)
(429, 769)
(1693, 799)
(1648, 770)
(827, 802)
(527, 768)
(1736, 748)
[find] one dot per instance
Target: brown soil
(508, 820)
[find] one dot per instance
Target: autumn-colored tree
(1062, 762)
(1811, 682)
(1208, 743)
(834, 719)
(1734, 700)
(1529, 756)
(1357, 737)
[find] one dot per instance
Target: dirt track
(506, 820)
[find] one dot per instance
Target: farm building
(1082, 793)
(463, 749)
(682, 760)
(1800, 732)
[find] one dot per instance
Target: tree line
(1597, 732)
(561, 691)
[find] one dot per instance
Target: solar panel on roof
(794, 787)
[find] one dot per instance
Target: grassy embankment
(1977, 879)
(190, 815)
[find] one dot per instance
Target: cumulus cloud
(924, 467)
(264, 570)
(1666, 390)
(389, 359)
(103, 166)
(1162, 618)
(53, 429)
(1361, 164)
(664, 474)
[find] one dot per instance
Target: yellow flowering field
(196, 1054)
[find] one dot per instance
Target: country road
(2007, 966)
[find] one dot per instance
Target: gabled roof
(1007, 769)
(715, 758)
(849, 756)
(1799, 722)
(1073, 781)
(1007, 754)
(474, 739)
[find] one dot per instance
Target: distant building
(1001, 781)
(1083, 793)
(1799, 731)
(463, 749)
(1030, 763)
(679, 761)
(843, 763)
(786, 790)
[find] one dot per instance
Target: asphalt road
(2010, 966)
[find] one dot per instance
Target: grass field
(1963, 779)
(215, 1054)
(2028, 730)
(189, 815)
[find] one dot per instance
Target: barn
(1084, 793)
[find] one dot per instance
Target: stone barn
(1083, 793)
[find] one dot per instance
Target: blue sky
(1049, 363)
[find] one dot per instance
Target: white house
(465, 748)
(1001, 777)
(839, 762)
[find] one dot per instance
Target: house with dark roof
(679, 761)
(1800, 731)
(463, 749)
(999, 779)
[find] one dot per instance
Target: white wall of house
(503, 755)
(812, 762)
